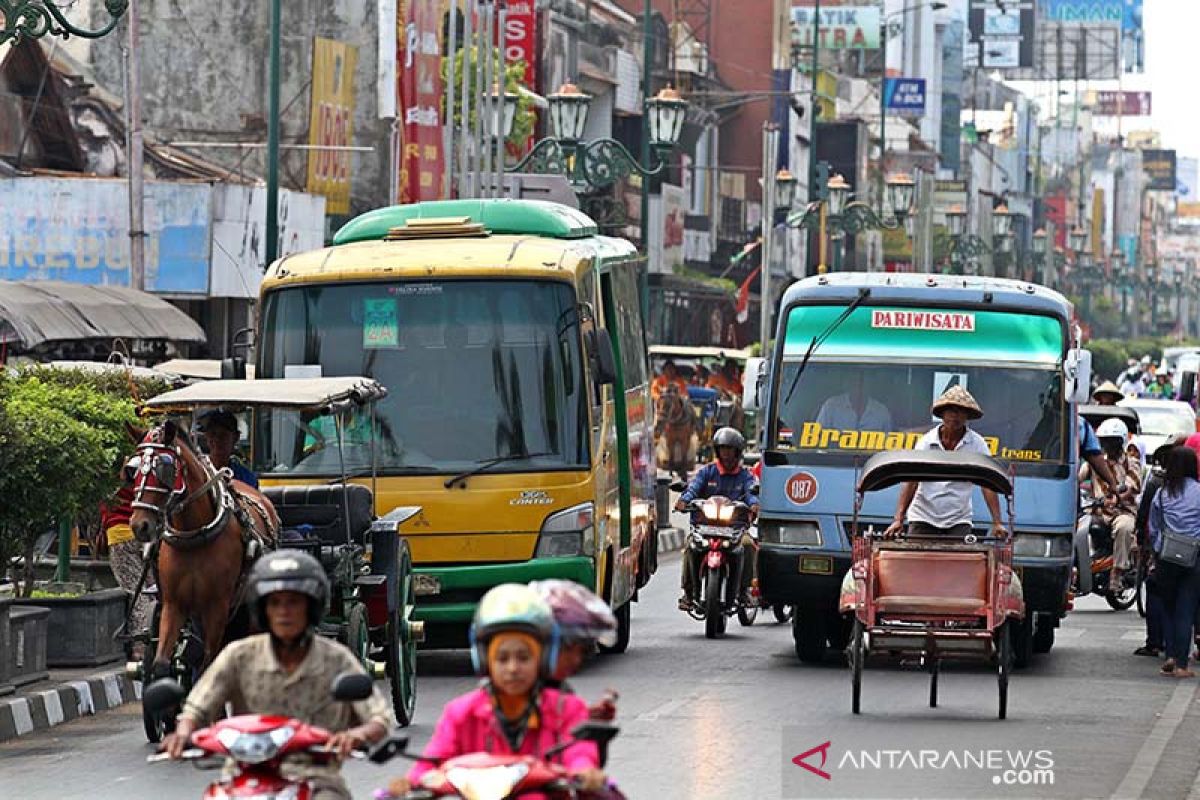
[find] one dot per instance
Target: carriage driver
(288, 671)
(726, 477)
(944, 507)
(220, 429)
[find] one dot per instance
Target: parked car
(1161, 419)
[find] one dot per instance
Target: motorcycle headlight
(568, 533)
(255, 748)
(489, 783)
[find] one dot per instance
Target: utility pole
(647, 59)
(812, 122)
(770, 148)
(135, 163)
(272, 243)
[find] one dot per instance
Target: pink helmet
(579, 613)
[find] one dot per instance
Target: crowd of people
(727, 379)
(1147, 379)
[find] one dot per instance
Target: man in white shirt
(944, 507)
(854, 411)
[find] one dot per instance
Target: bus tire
(624, 624)
(1043, 635)
(809, 636)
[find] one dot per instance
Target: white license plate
(426, 584)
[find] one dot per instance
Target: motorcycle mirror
(598, 732)
(163, 696)
(678, 486)
(392, 746)
(349, 686)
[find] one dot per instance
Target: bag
(1177, 548)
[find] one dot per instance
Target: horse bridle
(165, 464)
(681, 415)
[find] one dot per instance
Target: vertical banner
(331, 122)
(422, 161)
(520, 38)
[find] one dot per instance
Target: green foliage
(1110, 355)
(514, 74)
(724, 284)
(755, 350)
(61, 436)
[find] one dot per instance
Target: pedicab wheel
(782, 613)
(1003, 664)
(747, 614)
(155, 725)
(857, 655)
(402, 645)
(714, 615)
(934, 668)
(808, 635)
(624, 628)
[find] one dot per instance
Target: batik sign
(331, 122)
(839, 28)
(419, 40)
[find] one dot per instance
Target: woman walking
(1175, 512)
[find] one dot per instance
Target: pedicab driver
(288, 671)
(944, 507)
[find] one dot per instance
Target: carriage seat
(924, 582)
(320, 506)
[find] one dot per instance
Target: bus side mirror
(754, 383)
(1187, 387)
(601, 356)
(1077, 376)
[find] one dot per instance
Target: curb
(40, 710)
(670, 540)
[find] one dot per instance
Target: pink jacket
(468, 725)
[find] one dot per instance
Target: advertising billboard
(1113, 103)
(1159, 166)
(1003, 33)
(905, 95)
(331, 122)
(840, 27)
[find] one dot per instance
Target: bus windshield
(850, 409)
(475, 370)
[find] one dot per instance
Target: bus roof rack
(498, 216)
(435, 228)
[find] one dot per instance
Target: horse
(675, 433)
(208, 523)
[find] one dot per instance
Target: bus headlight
(568, 533)
(1035, 545)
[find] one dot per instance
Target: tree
(514, 72)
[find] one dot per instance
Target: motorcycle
(485, 776)
(1100, 564)
(258, 744)
(715, 535)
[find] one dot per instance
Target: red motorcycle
(258, 744)
(720, 587)
(484, 776)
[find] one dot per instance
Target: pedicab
(936, 598)
(325, 434)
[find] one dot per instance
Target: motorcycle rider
(1119, 509)
(513, 645)
(726, 477)
(288, 672)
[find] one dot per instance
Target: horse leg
(213, 623)
(170, 622)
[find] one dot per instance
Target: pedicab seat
(930, 582)
(319, 506)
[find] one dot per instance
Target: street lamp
(667, 111)
(834, 209)
(1001, 220)
(901, 192)
(569, 112)
(33, 19)
(1078, 239)
(956, 220)
(839, 192)
(1038, 245)
(785, 190)
(1039, 242)
(507, 103)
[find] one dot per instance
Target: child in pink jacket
(511, 713)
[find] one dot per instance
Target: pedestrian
(1155, 615)
(1175, 514)
(126, 561)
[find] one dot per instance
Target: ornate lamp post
(1121, 274)
(1039, 255)
(33, 19)
(965, 248)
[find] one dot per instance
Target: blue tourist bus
(857, 361)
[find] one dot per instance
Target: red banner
(1056, 212)
(419, 55)
(520, 38)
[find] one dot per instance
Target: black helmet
(289, 571)
(728, 437)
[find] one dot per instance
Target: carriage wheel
(857, 655)
(155, 725)
(358, 634)
(714, 615)
(934, 669)
(1004, 664)
(401, 646)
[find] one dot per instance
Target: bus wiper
(819, 339)
(487, 464)
(366, 472)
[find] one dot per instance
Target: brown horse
(675, 432)
(206, 521)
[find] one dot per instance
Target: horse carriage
(935, 598)
(686, 424)
(203, 523)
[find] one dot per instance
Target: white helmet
(1112, 428)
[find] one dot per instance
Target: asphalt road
(723, 719)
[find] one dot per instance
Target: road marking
(663, 709)
(1144, 763)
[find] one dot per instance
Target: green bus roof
(533, 217)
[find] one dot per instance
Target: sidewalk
(66, 695)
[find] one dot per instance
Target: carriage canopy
(889, 468)
(308, 393)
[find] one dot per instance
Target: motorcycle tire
(1123, 599)
(746, 615)
(714, 614)
(782, 613)
(1141, 590)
